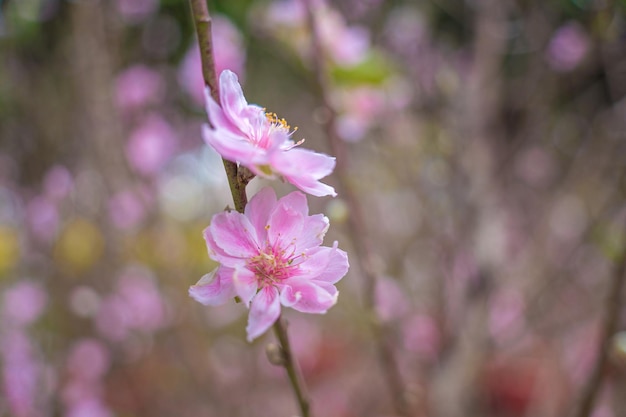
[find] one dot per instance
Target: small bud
(275, 354)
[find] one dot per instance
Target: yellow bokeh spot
(80, 246)
(9, 248)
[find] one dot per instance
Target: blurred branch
(293, 371)
(238, 179)
(356, 224)
(609, 326)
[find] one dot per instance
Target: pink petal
(337, 266)
(259, 209)
(231, 95)
(214, 288)
(285, 225)
(264, 311)
(312, 233)
(297, 202)
(234, 234)
(217, 254)
(246, 284)
(234, 148)
(216, 115)
(315, 262)
(306, 297)
(303, 168)
(316, 165)
(311, 186)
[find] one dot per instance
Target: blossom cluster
(271, 254)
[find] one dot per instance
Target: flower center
(278, 123)
(272, 266)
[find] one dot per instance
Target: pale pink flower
(138, 87)
(271, 255)
(88, 360)
(568, 47)
(151, 145)
(261, 142)
(23, 303)
(58, 183)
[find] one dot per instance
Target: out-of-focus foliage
(486, 146)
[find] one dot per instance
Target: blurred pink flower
(23, 303)
(244, 133)
(89, 407)
(136, 87)
(43, 218)
(151, 145)
(391, 301)
(567, 48)
(344, 45)
(136, 304)
(88, 360)
(20, 374)
(136, 11)
(271, 255)
(127, 208)
(228, 53)
(57, 183)
(422, 336)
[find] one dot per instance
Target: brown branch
(202, 20)
(356, 224)
(238, 178)
(291, 365)
(590, 391)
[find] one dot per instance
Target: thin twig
(291, 365)
(590, 391)
(238, 178)
(356, 224)
(202, 20)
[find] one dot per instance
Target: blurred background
(485, 144)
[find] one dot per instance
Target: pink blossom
(128, 208)
(88, 360)
(244, 133)
(228, 52)
(58, 183)
(568, 47)
(271, 255)
(21, 374)
(137, 87)
(136, 304)
(136, 11)
(43, 218)
(24, 303)
(151, 145)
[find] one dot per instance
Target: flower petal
(258, 211)
(303, 168)
(310, 186)
(231, 95)
(312, 233)
(234, 148)
(234, 234)
(246, 284)
(264, 311)
(297, 202)
(216, 115)
(306, 297)
(214, 288)
(217, 254)
(304, 162)
(337, 266)
(285, 225)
